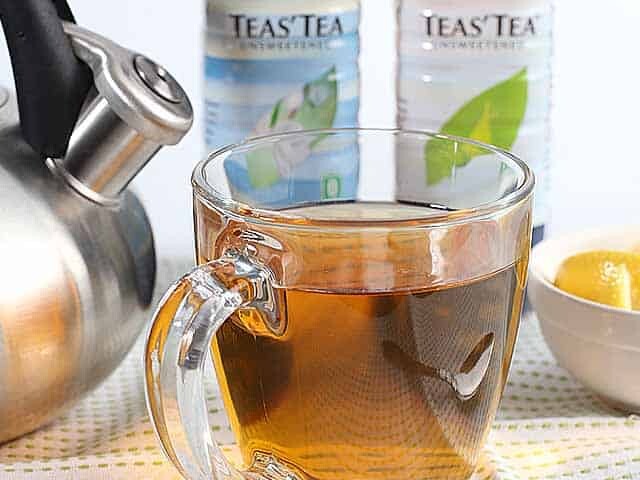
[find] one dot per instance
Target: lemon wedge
(608, 277)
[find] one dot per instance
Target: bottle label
(273, 73)
(476, 73)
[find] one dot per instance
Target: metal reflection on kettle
(77, 258)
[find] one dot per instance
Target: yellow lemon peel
(607, 277)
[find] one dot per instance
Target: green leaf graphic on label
(275, 114)
(312, 107)
(262, 169)
(493, 117)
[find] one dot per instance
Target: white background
(596, 96)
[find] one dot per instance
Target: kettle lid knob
(158, 80)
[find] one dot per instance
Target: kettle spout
(135, 108)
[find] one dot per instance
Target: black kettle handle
(51, 83)
(64, 11)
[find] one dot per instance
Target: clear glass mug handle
(176, 352)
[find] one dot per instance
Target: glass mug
(359, 329)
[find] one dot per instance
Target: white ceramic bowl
(599, 345)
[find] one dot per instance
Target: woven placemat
(548, 427)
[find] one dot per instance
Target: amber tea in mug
(354, 338)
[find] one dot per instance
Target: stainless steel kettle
(77, 259)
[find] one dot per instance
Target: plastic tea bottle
(479, 69)
(280, 65)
